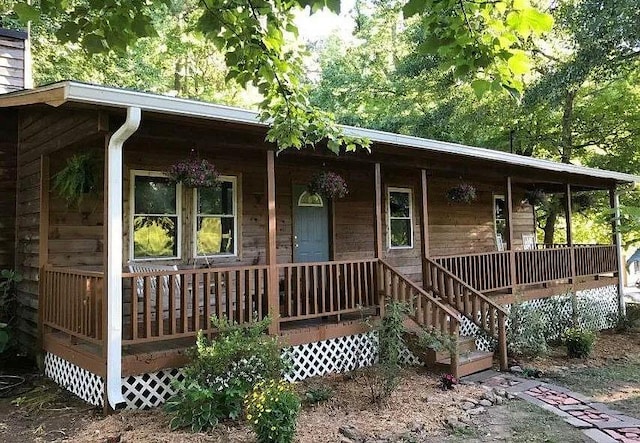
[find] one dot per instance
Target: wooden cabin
(113, 308)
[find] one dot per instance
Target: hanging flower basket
(534, 197)
(462, 193)
(194, 173)
(328, 184)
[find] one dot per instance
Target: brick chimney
(15, 61)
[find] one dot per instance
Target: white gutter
(114, 255)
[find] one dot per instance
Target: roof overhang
(74, 92)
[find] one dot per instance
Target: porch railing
(72, 302)
(162, 305)
(312, 290)
(491, 271)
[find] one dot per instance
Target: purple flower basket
(329, 185)
(194, 173)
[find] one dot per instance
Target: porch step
(468, 363)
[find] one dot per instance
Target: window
(500, 221)
(216, 219)
(400, 229)
(308, 199)
(155, 221)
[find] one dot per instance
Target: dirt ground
(38, 411)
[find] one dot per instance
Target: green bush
(579, 342)
(272, 409)
(526, 331)
(222, 371)
(317, 394)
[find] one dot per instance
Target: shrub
(383, 377)
(317, 394)
(438, 341)
(579, 342)
(272, 409)
(222, 371)
(525, 335)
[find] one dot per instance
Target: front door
(310, 226)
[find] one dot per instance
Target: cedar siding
(8, 167)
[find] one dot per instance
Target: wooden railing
(428, 310)
(72, 302)
(595, 259)
(172, 304)
(489, 271)
(542, 265)
(489, 316)
(311, 290)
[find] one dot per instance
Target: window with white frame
(500, 217)
(155, 220)
(216, 220)
(400, 210)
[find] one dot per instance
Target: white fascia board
(124, 98)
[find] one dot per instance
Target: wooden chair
(500, 243)
(528, 242)
(146, 267)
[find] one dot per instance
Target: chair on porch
(528, 242)
(153, 282)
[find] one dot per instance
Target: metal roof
(76, 92)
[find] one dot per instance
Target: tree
(485, 37)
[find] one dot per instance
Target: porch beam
(273, 296)
(614, 200)
(378, 209)
(424, 215)
(512, 254)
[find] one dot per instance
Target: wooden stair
(470, 360)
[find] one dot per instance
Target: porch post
(512, 254)
(569, 229)
(112, 293)
(273, 291)
(378, 210)
(614, 200)
(425, 222)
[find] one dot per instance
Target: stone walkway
(596, 420)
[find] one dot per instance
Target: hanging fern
(78, 178)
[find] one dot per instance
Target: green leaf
(519, 63)
(413, 7)
(26, 12)
(480, 86)
(537, 21)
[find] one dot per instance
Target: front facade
(117, 288)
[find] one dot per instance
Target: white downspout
(114, 256)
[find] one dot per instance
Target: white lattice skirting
(86, 385)
(598, 308)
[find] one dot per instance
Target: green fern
(78, 178)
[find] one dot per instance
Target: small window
(155, 221)
(216, 219)
(500, 217)
(400, 230)
(309, 199)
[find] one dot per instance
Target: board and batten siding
(12, 60)
(41, 132)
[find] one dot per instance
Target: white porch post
(113, 263)
(614, 198)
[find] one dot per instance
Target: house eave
(75, 92)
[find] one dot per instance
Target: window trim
(132, 211)
(410, 218)
(194, 241)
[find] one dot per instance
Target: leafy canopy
(486, 38)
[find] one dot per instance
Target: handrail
(452, 312)
(466, 286)
(489, 316)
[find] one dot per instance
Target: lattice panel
(600, 306)
(146, 391)
(86, 385)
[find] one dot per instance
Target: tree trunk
(550, 225)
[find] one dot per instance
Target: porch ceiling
(529, 169)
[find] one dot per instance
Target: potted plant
(534, 196)
(194, 173)
(462, 193)
(79, 178)
(328, 184)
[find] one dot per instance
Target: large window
(155, 216)
(400, 230)
(216, 219)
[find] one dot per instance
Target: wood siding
(8, 156)
(41, 132)
(11, 63)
